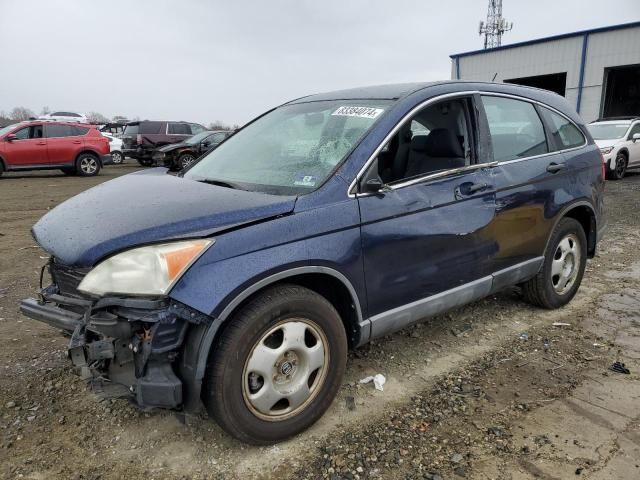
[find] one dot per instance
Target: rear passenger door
(425, 235)
(531, 179)
(62, 143)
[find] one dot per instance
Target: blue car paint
(391, 249)
(146, 207)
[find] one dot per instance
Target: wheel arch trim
(563, 214)
(202, 338)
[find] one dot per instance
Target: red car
(76, 149)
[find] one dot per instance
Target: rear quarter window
(79, 131)
(564, 132)
(179, 129)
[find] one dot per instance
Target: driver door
(426, 236)
(28, 148)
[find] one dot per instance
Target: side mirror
(11, 138)
(636, 137)
(375, 185)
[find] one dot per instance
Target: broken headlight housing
(150, 270)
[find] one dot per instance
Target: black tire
(225, 385)
(145, 162)
(185, 160)
(543, 289)
(117, 157)
(621, 168)
(1, 168)
(87, 165)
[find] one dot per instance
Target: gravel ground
(467, 394)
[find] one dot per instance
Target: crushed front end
(124, 346)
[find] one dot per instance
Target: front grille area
(67, 278)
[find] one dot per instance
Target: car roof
(401, 90)
(55, 122)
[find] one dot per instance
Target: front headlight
(606, 150)
(150, 270)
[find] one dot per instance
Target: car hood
(147, 207)
(606, 143)
(171, 147)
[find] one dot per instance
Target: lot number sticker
(362, 112)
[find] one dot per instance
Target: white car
(115, 147)
(65, 117)
(619, 142)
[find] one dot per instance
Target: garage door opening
(556, 82)
(621, 91)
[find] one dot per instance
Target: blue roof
(381, 92)
(548, 39)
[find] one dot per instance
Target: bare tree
(219, 125)
(96, 118)
(21, 113)
(119, 119)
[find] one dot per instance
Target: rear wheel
(277, 366)
(561, 273)
(117, 157)
(621, 167)
(87, 165)
(145, 162)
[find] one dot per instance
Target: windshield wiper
(219, 183)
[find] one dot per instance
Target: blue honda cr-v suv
(241, 282)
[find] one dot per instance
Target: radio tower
(495, 25)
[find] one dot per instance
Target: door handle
(41, 143)
(469, 188)
(77, 141)
(555, 167)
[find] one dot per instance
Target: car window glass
(436, 139)
(291, 149)
(515, 128)
(635, 129)
(216, 137)
(80, 130)
(36, 131)
(55, 131)
(22, 134)
(195, 128)
(179, 129)
(149, 128)
(564, 132)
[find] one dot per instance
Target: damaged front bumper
(125, 347)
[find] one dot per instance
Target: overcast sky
(212, 60)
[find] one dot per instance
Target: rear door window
(179, 129)
(55, 131)
(515, 128)
(150, 128)
(564, 132)
(131, 129)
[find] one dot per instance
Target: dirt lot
(492, 390)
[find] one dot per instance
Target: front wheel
(621, 167)
(563, 267)
(277, 366)
(87, 165)
(185, 160)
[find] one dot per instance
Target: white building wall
(604, 49)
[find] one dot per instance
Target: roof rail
(608, 119)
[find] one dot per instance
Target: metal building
(597, 70)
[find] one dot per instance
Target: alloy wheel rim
(285, 369)
(620, 166)
(187, 160)
(88, 165)
(565, 265)
(117, 157)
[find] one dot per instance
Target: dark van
(327, 222)
(141, 138)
